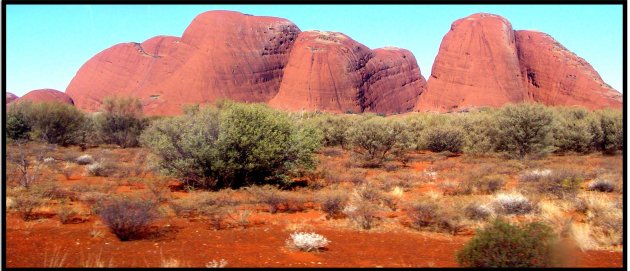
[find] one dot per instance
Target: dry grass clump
(332, 202)
(512, 203)
(277, 199)
(26, 203)
(435, 216)
(604, 218)
(202, 203)
(561, 183)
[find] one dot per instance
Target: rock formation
(483, 62)
(10, 97)
(477, 65)
(329, 71)
(556, 76)
(222, 54)
(45, 96)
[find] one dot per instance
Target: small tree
(57, 123)
(525, 129)
(18, 125)
(571, 132)
(233, 145)
(606, 127)
(444, 138)
(505, 245)
(121, 121)
(374, 138)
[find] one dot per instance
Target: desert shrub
(513, 203)
(121, 121)
(128, 218)
(483, 185)
(571, 132)
(52, 190)
(535, 175)
(101, 169)
(423, 214)
(606, 127)
(362, 213)
(375, 138)
(333, 128)
(18, 125)
(525, 130)
(57, 123)
(26, 203)
(478, 211)
(480, 131)
(444, 138)
(66, 214)
(307, 241)
(233, 146)
(85, 159)
(560, 183)
(504, 245)
(602, 185)
(332, 202)
(270, 196)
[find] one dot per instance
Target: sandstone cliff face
(555, 76)
(222, 54)
(477, 65)
(395, 82)
(46, 96)
(483, 62)
(10, 97)
(329, 71)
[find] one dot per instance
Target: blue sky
(47, 44)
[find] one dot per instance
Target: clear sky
(47, 44)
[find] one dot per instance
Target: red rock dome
(222, 54)
(556, 76)
(477, 65)
(10, 97)
(46, 95)
(330, 71)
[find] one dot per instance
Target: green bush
(525, 130)
(56, 123)
(333, 129)
(571, 132)
(606, 127)
(18, 125)
(505, 245)
(375, 138)
(121, 121)
(444, 138)
(232, 145)
(480, 131)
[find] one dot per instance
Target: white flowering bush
(49, 160)
(96, 169)
(535, 175)
(85, 159)
(513, 203)
(602, 185)
(307, 241)
(217, 264)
